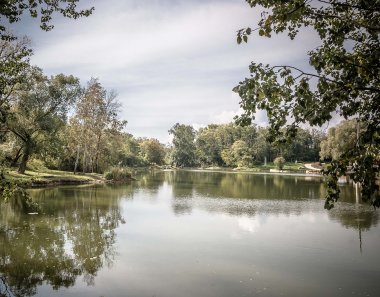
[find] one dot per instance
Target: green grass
(47, 176)
(288, 166)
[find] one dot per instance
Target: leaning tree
(344, 79)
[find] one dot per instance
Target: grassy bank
(288, 166)
(49, 177)
(292, 167)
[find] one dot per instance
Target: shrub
(118, 174)
(279, 162)
(36, 165)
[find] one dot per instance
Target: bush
(279, 162)
(36, 165)
(118, 174)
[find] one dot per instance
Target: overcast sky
(169, 60)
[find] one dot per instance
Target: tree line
(57, 123)
(54, 122)
(232, 145)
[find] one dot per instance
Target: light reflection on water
(191, 234)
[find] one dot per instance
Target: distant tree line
(55, 122)
(232, 145)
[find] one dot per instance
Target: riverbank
(256, 172)
(289, 168)
(49, 177)
(269, 167)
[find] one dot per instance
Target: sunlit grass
(288, 166)
(51, 176)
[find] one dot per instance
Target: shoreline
(64, 182)
(54, 178)
(51, 178)
(258, 172)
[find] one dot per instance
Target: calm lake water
(181, 233)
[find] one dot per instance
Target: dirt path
(311, 167)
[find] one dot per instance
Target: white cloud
(170, 61)
(224, 117)
(118, 39)
(248, 224)
(261, 118)
(198, 126)
(227, 116)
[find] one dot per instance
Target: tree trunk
(84, 158)
(25, 157)
(76, 160)
(18, 155)
(97, 153)
(96, 162)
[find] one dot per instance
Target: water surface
(181, 233)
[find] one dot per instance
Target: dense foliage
(339, 140)
(14, 65)
(118, 174)
(38, 110)
(345, 80)
(14, 62)
(279, 162)
(183, 152)
(14, 51)
(232, 145)
(57, 124)
(88, 145)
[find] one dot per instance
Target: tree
(153, 151)
(183, 153)
(14, 55)
(237, 154)
(261, 148)
(95, 119)
(39, 108)
(340, 139)
(345, 80)
(14, 61)
(12, 10)
(130, 154)
(305, 146)
(209, 146)
(14, 52)
(317, 136)
(228, 134)
(279, 162)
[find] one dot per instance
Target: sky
(169, 60)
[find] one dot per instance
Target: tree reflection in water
(358, 218)
(74, 236)
(223, 192)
